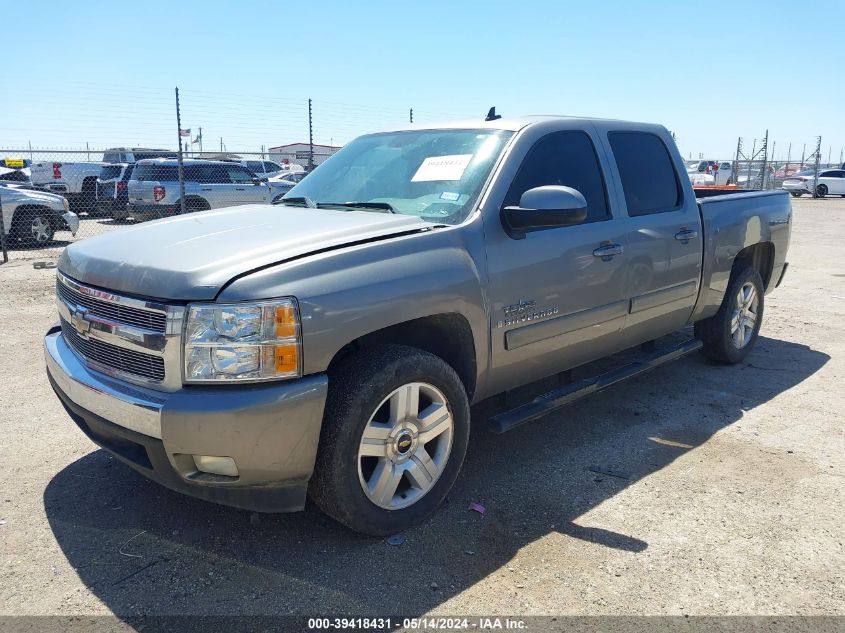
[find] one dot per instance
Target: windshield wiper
(382, 206)
(296, 200)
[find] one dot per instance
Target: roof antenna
(491, 114)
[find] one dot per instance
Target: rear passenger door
(663, 239)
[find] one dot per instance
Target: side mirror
(258, 180)
(545, 208)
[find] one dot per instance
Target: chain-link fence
(52, 197)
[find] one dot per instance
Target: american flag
(185, 132)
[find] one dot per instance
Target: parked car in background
(785, 171)
(134, 154)
(31, 218)
(113, 189)
(799, 183)
(831, 182)
(701, 180)
(154, 188)
(754, 178)
(75, 181)
(286, 181)
(721, 171)
(266, 168)
(22, 175)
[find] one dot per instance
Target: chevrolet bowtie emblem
(79, 322)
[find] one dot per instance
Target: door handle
(608, 250)
(685, 235)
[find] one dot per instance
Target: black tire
(357, 388)
(795, 194)
(24, 226)
(192, 206)
(821, 191)
(716, 332)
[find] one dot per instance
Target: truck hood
(191, 257)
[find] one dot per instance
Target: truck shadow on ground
(142, 549)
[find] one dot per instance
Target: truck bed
(735, 221)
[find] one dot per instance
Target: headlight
(242, 341)
(66, 204)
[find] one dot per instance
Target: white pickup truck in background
(75, 181)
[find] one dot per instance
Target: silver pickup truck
(332, 345)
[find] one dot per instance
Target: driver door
(557, 300)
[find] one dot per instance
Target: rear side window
(268, 166)
(110, 172)
(208, 174)
(111, 157)
(239, 175)
(156, 172)
(648, 176)
(255, 165)
(563, 158)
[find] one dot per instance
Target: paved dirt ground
(728, 499)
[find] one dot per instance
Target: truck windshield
(433, 174)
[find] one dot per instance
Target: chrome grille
(114, 357)
(156, 321)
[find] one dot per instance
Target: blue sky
(104, 73)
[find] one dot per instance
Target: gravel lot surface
(726, 498)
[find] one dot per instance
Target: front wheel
(729, 335)
(34, 228)
(394, 436)
(821, 191)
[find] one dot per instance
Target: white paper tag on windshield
(442, 168)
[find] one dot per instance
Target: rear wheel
(795, 194)
(393, 440)
(729, 335)
(194, 205)
(34, 227)
(821, 191)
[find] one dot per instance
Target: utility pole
(816, 169)
(31, 161)
(748, 165)
(803, 155)
(412, 115)
(310, 138)
(179, 155)
(788, 156)
(736, 159)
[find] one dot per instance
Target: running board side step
(553, 400)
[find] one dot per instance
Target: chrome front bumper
(270, 431)
(129, 406)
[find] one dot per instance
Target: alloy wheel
(405, 446)
(40, 230)
(745, 313)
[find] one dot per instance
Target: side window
(111, 157)
(239, 175)
(563, 158)
(255, 165)
(648, 176)
(268, 166)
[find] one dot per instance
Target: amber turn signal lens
(286, 358)
(285, 321)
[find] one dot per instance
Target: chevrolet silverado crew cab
(332, 344)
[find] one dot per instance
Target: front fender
(350, 292)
